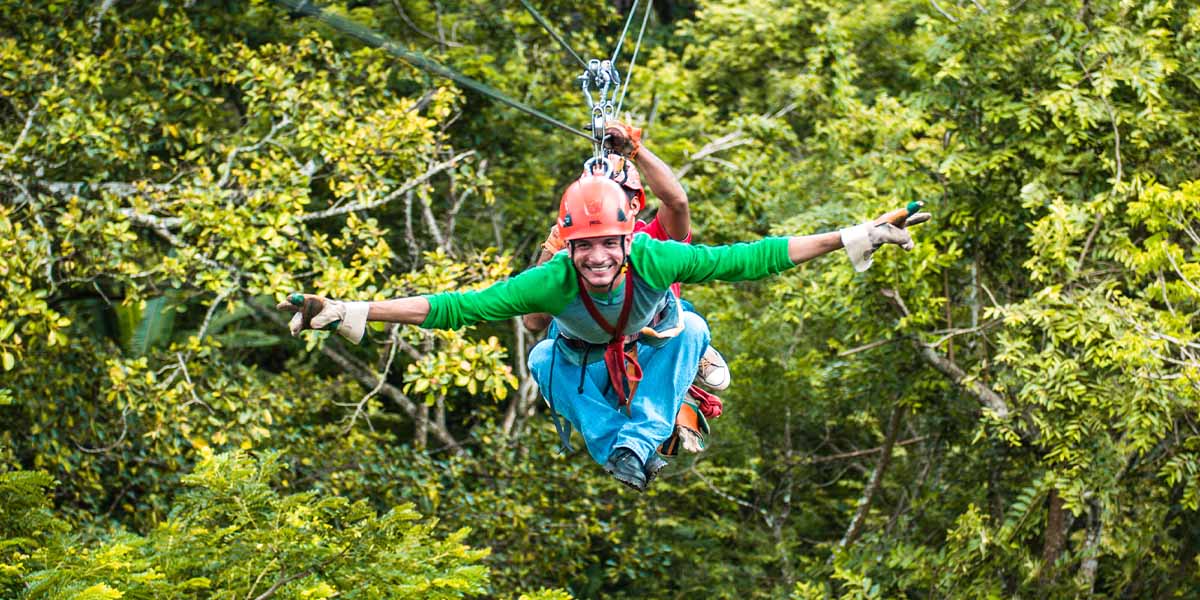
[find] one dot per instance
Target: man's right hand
(348, 319)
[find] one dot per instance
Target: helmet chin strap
(620, 268)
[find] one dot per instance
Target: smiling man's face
(599, 259)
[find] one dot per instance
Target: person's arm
(546, 288)
(673, 211)
(808, 247)
(409, 311)
(662, 263)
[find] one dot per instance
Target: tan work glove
(348, 319)
(553, 242)
(623, 139)
(862, 240)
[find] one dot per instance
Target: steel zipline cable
(355, 30)
(633, 59)
(625, 30)
(554, 34)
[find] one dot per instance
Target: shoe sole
(715, 388)
(651, 475)
(719, 387)
(632, 484)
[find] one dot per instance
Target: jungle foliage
(1009, 410)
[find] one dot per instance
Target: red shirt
(655, 230)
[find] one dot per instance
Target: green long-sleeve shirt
(552, 287)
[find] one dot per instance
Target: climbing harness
(620, 355)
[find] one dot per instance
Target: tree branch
(816, 460)
(885, 459)
(408, 21)
(97, 19)
(24, 130)
(409, 185)
(393, 335)
(865, 347)
(364, 376)
(944, 13)
(228, 174)
(985, 395)
(726, 142)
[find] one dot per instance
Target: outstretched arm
(350, 319)
(861, 240)
(808, 247)
(542, 289)
(409, 311)
(662, 263)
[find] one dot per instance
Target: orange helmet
(593, 206)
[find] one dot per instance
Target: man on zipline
(610, 281)
(630, 160)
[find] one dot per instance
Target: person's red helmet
(593, 206)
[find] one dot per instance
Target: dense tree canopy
(1009, 410)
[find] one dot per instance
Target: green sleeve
(661, 263)
(543, 289)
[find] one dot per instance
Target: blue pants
(667, 373)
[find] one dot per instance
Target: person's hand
(622, 139)
(887, 233)
(553, 242)
(861, 241)
(348, 319)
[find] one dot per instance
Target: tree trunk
(515, 402)
(439, 415)
(1091, 547)
(1058, 523)
(421, 432)
(885, 459)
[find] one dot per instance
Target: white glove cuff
(354, 325)
(857, 241)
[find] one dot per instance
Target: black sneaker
(654, 464)
(626, 467)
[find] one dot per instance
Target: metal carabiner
(589, 166)
(601, 75)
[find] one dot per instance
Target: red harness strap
(623, 367)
